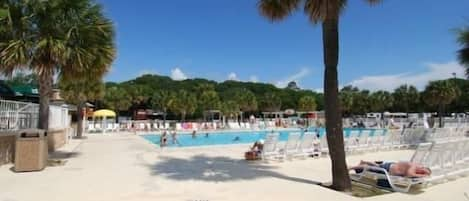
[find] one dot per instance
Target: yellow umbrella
(104, 113)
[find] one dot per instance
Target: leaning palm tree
(326, 12)
(55, 36)
(463, 53)
(440, 93)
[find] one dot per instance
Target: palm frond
(276, 10)
(463, 53)
(320, 10)
(374, 2)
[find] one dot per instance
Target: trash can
(31, 152)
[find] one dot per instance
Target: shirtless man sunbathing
(403, 169)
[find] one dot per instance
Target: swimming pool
(230, 137)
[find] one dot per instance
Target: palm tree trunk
(80, 114)
(164, 116)
(335, 138)
(440, 114)
(45, 92)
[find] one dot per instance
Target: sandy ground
(126, 167)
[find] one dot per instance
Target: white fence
(16, 115)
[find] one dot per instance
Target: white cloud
(177, 74)
(434, 71)
(232, 76)
(319, 90)
(253, 78)
(297, 77)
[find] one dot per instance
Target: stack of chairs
(297, 145)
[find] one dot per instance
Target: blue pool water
(229, 137)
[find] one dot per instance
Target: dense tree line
(190, 98)
(450, 95)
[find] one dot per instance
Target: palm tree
(307, 103)
(185, 103)
(463, 53)
(244, 98)
(347, 99)
(406, 97)
(230, 108)
(209, 100)
(163, 100)
(380, 101)
(440, 93)
(327, 13)
(117, 99)
(271, 102)
(55, 36)
(78, 91)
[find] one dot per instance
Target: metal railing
(16, 115)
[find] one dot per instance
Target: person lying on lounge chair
(403, 169)
(255, 152)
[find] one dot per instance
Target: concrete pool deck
(126, 167)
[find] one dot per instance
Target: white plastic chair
(291, 146)
(269, 149)
(307, 146)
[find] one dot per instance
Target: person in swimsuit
(194, 134)
(255, 151)
(403, 169)
(174, 137)
(163, 139)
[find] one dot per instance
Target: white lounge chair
(421, 153)
(270, 150)
(376, 141)
(307, 146)
(384, 180)
(323, 144)
(91, 128)
(363, 144)
(109, 127)
(98, 127)
(291, 146)
(351, 143)
(116, 127)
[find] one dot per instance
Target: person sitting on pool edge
(255, 151)
(403, 169)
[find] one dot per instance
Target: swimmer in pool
(237, 138)
(194, 134)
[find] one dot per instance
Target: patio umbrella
(104, 113)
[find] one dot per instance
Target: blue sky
(399, 41)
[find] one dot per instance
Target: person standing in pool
(194, 134)
(206, 135)
(174, 138)
(163, 139)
